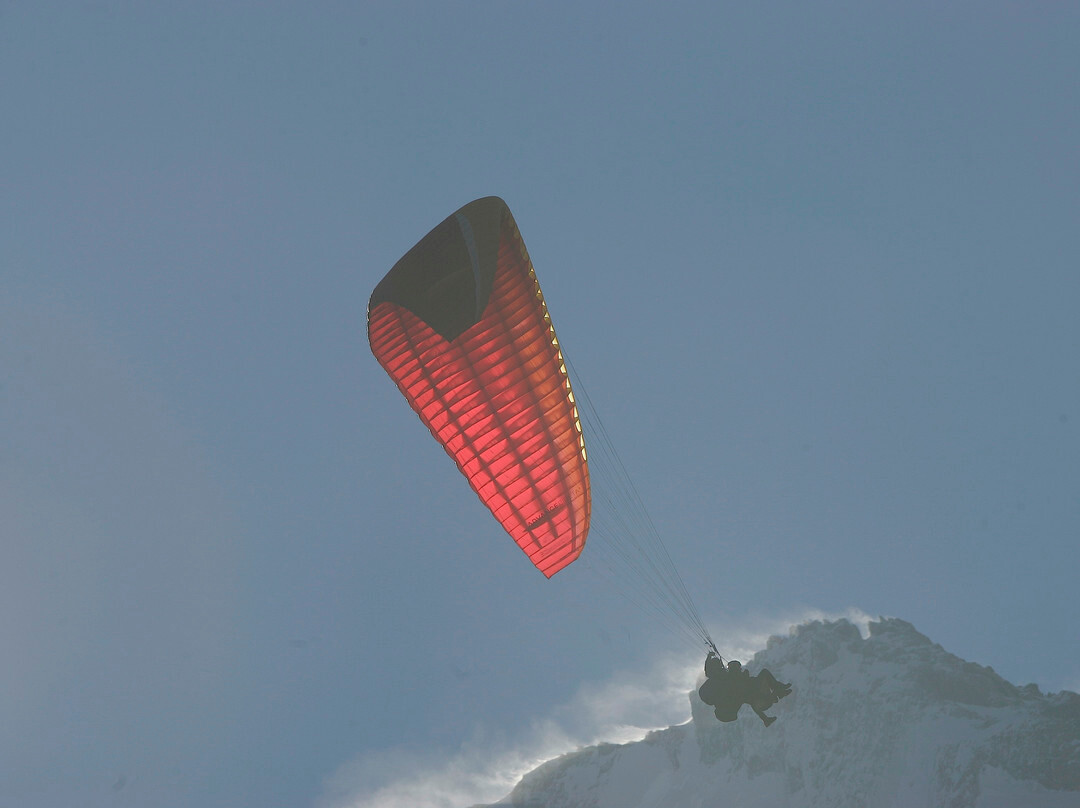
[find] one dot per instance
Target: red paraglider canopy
(460, 325)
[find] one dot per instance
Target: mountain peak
(889, 719)
(894, 655)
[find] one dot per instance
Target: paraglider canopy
(461, 326)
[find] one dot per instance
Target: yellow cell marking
(520, 243)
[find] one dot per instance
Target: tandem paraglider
(461, 326)
(727, 688)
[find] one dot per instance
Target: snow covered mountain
(889, 721)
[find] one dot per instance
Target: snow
(885, 719)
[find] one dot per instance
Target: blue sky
(817, 265)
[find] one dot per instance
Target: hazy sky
(816, 262)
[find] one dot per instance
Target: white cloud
(484, 769)
(624, 709)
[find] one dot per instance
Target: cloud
(487, 767)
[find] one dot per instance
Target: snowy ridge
(892, 720)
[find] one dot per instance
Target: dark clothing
(722, 692)
(764, 689)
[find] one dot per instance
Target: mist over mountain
(889, 720)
